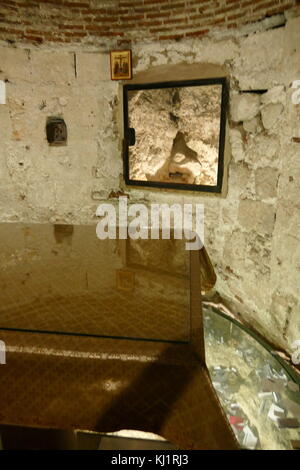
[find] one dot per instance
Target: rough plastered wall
(252, 234)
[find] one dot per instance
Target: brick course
(129, 20)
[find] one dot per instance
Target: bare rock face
(245, 106)
(270, 114)
(252, 125)
(256, 215)
(266, 182)
(237, 146)
(273, 103)
(274, 95)
(183, 144)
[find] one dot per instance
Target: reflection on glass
(64, 279)
(256, 392)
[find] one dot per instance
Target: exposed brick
(265, 5)
(53, 2)
(236, 16)
(225, 10)
(11, 3)
(175, 21)
(94, 11)
(160, 30)
(110, 34)
(11, 30)
(197, 33)
(4, 20)
(149, 9)
(216, 21)
(28, 5)
(88, 20)
(158, 14)
(154, 2)
(173, 7)
(10, 8)
(196, 2)
(132, 18)
(70, 26)
(76, 5)
(184, 11)
(196, 17)
(38, 39)
(247, 3)
(130, 4)
(56, 39)
(276, 11)
(74, 34)
(128, 25)
(150, 24)
(124, 42)
(34, 31)
(112, 19)
(170, 37)
(129, 20)
(96, 27)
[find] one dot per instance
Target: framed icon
(121, 65)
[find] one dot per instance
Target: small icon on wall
(121, 65)
(56, 131)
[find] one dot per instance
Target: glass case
(107, 334)
(103, 335)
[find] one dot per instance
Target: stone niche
(179, 133)
(180, 138)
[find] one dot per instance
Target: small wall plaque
(56, 131)
(120, 65)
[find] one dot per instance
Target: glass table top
(62, 278)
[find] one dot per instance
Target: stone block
(275, 95)
(253, 125)
(92, 67)
(263, 151)
(244, 106)
(239, 179)
(259, 63)
(266, 180)
(256, 215)
(55, 67)
(270, 114)
(237, 146)
(15, 64)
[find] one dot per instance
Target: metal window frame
(223, 81)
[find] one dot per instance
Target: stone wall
(252, 234)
